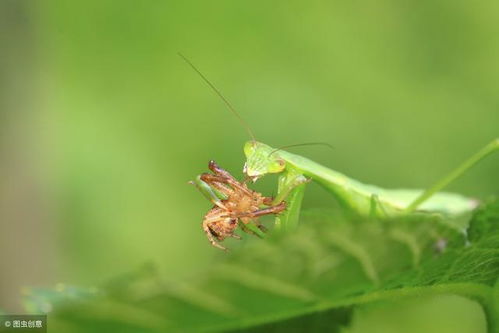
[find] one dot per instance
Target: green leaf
(306, 280)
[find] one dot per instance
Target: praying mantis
(353, 196)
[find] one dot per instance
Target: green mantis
(354, 197)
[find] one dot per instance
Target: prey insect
(353, 196)
(233, 204)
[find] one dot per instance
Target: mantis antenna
(231, 108)
(302, 144)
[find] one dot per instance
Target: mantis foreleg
(291, 188)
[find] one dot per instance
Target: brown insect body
(241, 205)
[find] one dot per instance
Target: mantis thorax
(261, 160)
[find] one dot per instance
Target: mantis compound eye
(277, 166)
(249, 148)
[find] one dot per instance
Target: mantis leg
(292, 188)
(376, 207)
(456, 173)
(287, 184)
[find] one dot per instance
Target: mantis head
(261, 160)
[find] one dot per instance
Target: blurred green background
(102, 124)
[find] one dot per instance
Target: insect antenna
(302, 144)
(231, 108)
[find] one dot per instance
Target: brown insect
(240, 205)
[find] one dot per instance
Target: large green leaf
(306, 280)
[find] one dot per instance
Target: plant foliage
(310, 279)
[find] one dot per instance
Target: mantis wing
(450, 204)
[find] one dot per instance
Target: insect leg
(217, 170)
(207, 191)
(456, 173)
(265, 211)
(251, 229)
(376, 207)
(288, 184)
(255, 214)
(261, 227)
(223, 176)
(218, 184)
(254, 221)
(211, 237)
(291, 186)
(268, 201)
